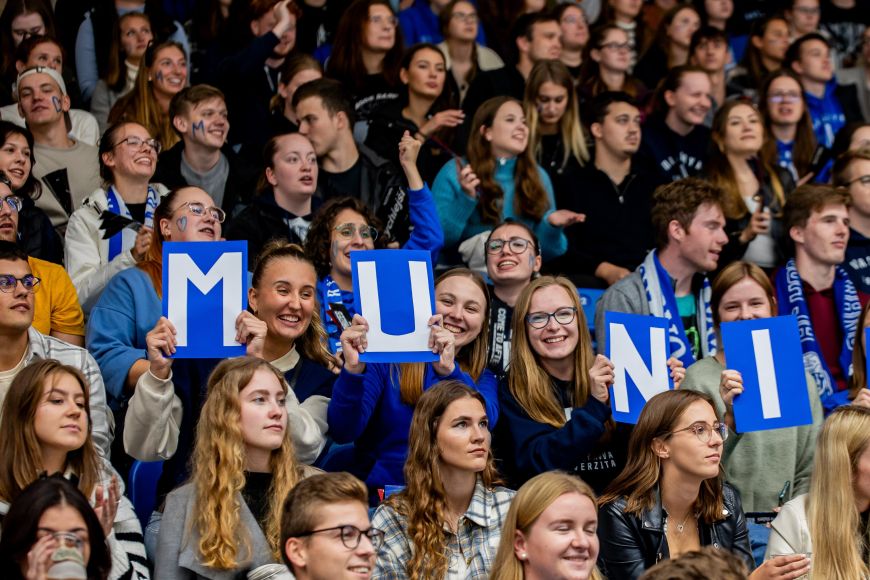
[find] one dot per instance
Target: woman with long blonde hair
(831, 520)
(451, 481)
(372, 404)
(228, 516)
(550, 531)
(554, 400)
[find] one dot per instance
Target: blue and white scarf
(328, 293)
(127, 237)
(663, 302)
(790, 297)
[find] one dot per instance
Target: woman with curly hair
(372, 404)
(553, 521)
(45, 427)
(344, 225)
(228, 517)
(501, 180)
(447, 522)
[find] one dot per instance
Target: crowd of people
(704, 161)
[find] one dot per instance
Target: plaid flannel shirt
(476, 542)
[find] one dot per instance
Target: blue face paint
(531, 258)
(57, 106)
(158, 76)
(200, 126)
(181, 223)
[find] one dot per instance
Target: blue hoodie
(420, 24)
(827, 114)
(367, 409)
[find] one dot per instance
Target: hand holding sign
(442, 343)
(678, 371)
(160, 346)
(730, 386)
(353, 344)
(251, 331)
(600, 378)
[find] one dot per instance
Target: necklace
(680, 526)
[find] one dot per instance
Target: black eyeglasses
(541, 319)
(864, 180)
(704, 432)
(29, 282)
(136, 143)
(352, 535)
(516, 245)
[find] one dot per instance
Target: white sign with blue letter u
(203, 293)
(637, 346)
(767, 352)
(394, 292)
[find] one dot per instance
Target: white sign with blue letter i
(204, 287)
(767, 352)
(394, 291)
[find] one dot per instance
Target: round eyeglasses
(352, 535)
(29, 282)
(135, 143)
(199, 209)
(516, 245)
(704, 432)
(541, 319)
(347, 231)
(14, 202)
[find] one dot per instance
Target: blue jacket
(461, 219)
(425, 235)
(420, 24)
(126, 311)
(367, 409)
(827, 114)
(527, 447)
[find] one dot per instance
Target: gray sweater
(627, 295)
(759, 463)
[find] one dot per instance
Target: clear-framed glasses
(14, 202)
(29, 282)
(620, 46)
(863, 180)
(347, 231)
(135, 143)
(465, 16)
(807, 10)
(573, 20)
(199, 209)
(352, 535)
(516, 245)
(789, 98)
(704, 432)
(541, 319)
(378, 20)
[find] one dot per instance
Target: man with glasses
(852, 172)
(325, 529)
(69, 169)
(203, 158)
(57, 311)
(617, 232)
(689, 228)
(513, 259)
(22, 343)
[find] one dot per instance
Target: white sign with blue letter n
(637, 346)
(204, 290)
(394, 292)
(774, 379)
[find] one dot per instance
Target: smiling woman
(128, 159)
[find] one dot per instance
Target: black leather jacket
(631, 544)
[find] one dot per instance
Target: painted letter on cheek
(200, 126)
(335, 249)
(181, 223)
(56, 102)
